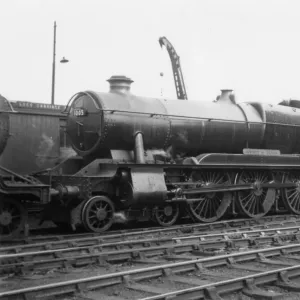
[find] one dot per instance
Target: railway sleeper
(253, 291)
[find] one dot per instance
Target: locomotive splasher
(166, 156)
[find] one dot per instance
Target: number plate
(79, 112)
(267, 152)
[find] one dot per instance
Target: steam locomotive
(160, 159)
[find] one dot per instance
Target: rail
(126, 250)
(67, 241)
(284, 271)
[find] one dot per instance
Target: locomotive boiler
(159, 159)
(99, 122)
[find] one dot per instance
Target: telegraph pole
(53, 65)
(63, 60)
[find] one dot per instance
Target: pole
(53, 65)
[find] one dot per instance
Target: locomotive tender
(159, 159)
(32, 138)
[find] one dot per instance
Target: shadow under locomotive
(142, 158)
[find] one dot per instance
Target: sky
(252, 47)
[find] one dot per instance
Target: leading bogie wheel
(97, 214)
(13, 217)
(166, 215)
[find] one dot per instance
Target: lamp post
(63, 60)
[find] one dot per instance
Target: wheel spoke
(248, 202)
(295, 197)
(294, 193)
(246, 197)
(210, 212)
(206, 207)
(202, 207)
(252, 205)
(198, 204)
(297, 203)
(220, 180)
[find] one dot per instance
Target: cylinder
(66, 191)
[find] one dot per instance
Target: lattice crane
(177, 72)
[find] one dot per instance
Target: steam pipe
(139, 148)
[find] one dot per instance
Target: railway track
(67, 241)
(158, 246)
(199, 245)
(262, 274)
(132, 231)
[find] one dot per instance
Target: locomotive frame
(205, 188)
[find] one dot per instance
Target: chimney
(226, 95)
(119, 84)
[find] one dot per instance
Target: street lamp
(63, 60)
